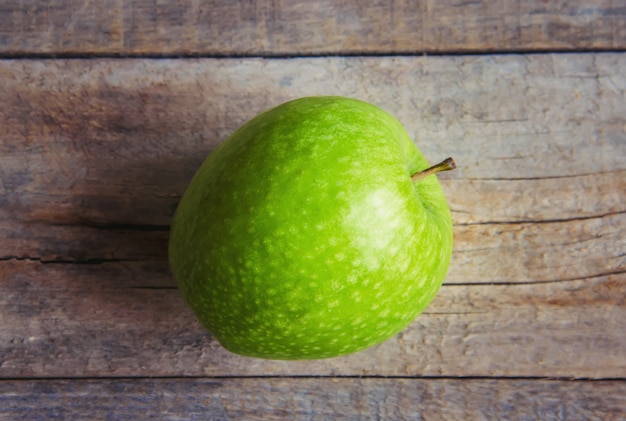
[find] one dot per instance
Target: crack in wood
(155, 288)
(91, 261)
(119, 226)
(547, 177)
(549, 281)
(541, 221)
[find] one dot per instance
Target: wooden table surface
(107, 109)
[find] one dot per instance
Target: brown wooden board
(126, 319)
(95, 154)
(300, 27)
(312, 399)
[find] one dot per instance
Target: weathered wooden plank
(76, 243)
(95, 154)
(295, 27)
(313, 399)
(127, 319)
(92, 136)
(483, 253)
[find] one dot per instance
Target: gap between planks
(278, 56)
(310, 376)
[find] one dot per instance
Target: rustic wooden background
(107, 109)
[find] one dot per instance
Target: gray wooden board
(94, 155)
(125, 319)
(300, 27)
(312, 399)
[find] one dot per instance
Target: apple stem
(445, 165)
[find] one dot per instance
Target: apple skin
(302, 236)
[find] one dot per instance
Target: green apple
(315, 230)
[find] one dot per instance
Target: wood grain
(127, 319)
(96, 154)
(313, 399)
(299, 27)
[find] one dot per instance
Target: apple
(315, 230)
